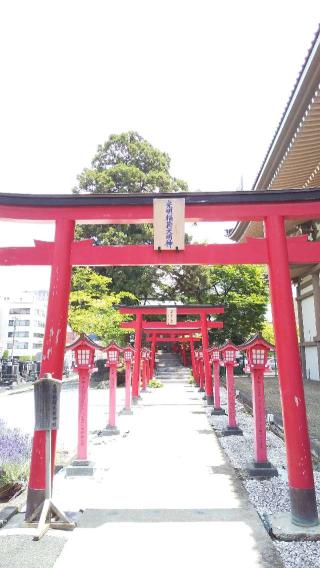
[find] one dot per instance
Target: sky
(205, 81)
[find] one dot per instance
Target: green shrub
(155, 384)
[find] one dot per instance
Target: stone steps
(169, 368)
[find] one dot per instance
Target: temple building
(293, 161)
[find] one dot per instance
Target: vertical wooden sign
(168, 223)
(171, 316)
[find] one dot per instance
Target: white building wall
(309, 319)
(26, 329)
(312, 363)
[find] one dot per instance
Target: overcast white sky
(205, 81)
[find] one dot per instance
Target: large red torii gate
(201, 325)
(276, 250)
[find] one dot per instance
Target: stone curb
(29, 387)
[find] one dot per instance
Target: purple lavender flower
(15, 447)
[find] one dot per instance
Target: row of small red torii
(257, 350)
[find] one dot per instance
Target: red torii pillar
(206, 360)
(193, 361)
(53, 351)
(300, 473)
(153, 355)
(137, 358)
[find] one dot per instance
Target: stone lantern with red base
(215, 360)
(128, 356)
(84, 350)
(228, 352)
(257, 350)
(113, 352)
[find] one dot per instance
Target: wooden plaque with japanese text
(168, 223)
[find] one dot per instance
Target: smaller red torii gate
(172, 337)
(201, 325)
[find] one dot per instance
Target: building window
(21, 345)
(19, 311)
(18, 334)
(38, 335)
(19, 323)
(39, 324)
(37, 346)
(9, 345)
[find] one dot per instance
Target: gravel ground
(268, 496)
(273, 404)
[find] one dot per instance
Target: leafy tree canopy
(127, 163)
(268, 332)
(241, 290)
(92, 305)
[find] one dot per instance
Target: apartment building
(22, 323)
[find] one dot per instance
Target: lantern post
(228, 352)
(144, 359)
(257, 350)
(149, 366)
(200, 370)
(128, 356)
(137, 360)
(153, 354)
(214, 354)
(193, 361)
(84, 350)
(113, 352)
(184, 354)
(206, 360)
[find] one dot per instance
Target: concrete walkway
(163, 495)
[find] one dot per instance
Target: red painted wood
(82, 451)
(54, 339)
(128, 386)
(216, 384)
(259, 415)
(206, 359)
(202, 382)
(153, 355)
(144, 213)
(181, 310)
(159, 326)
(137, 357)
(193, 362)
(300, 473)
(112, 395)
(232, 422)
(174, 339)
(254, 251)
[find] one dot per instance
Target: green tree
(92, 305)
(127, 163)
(5, 355)
(241, 290)
(268, 332)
